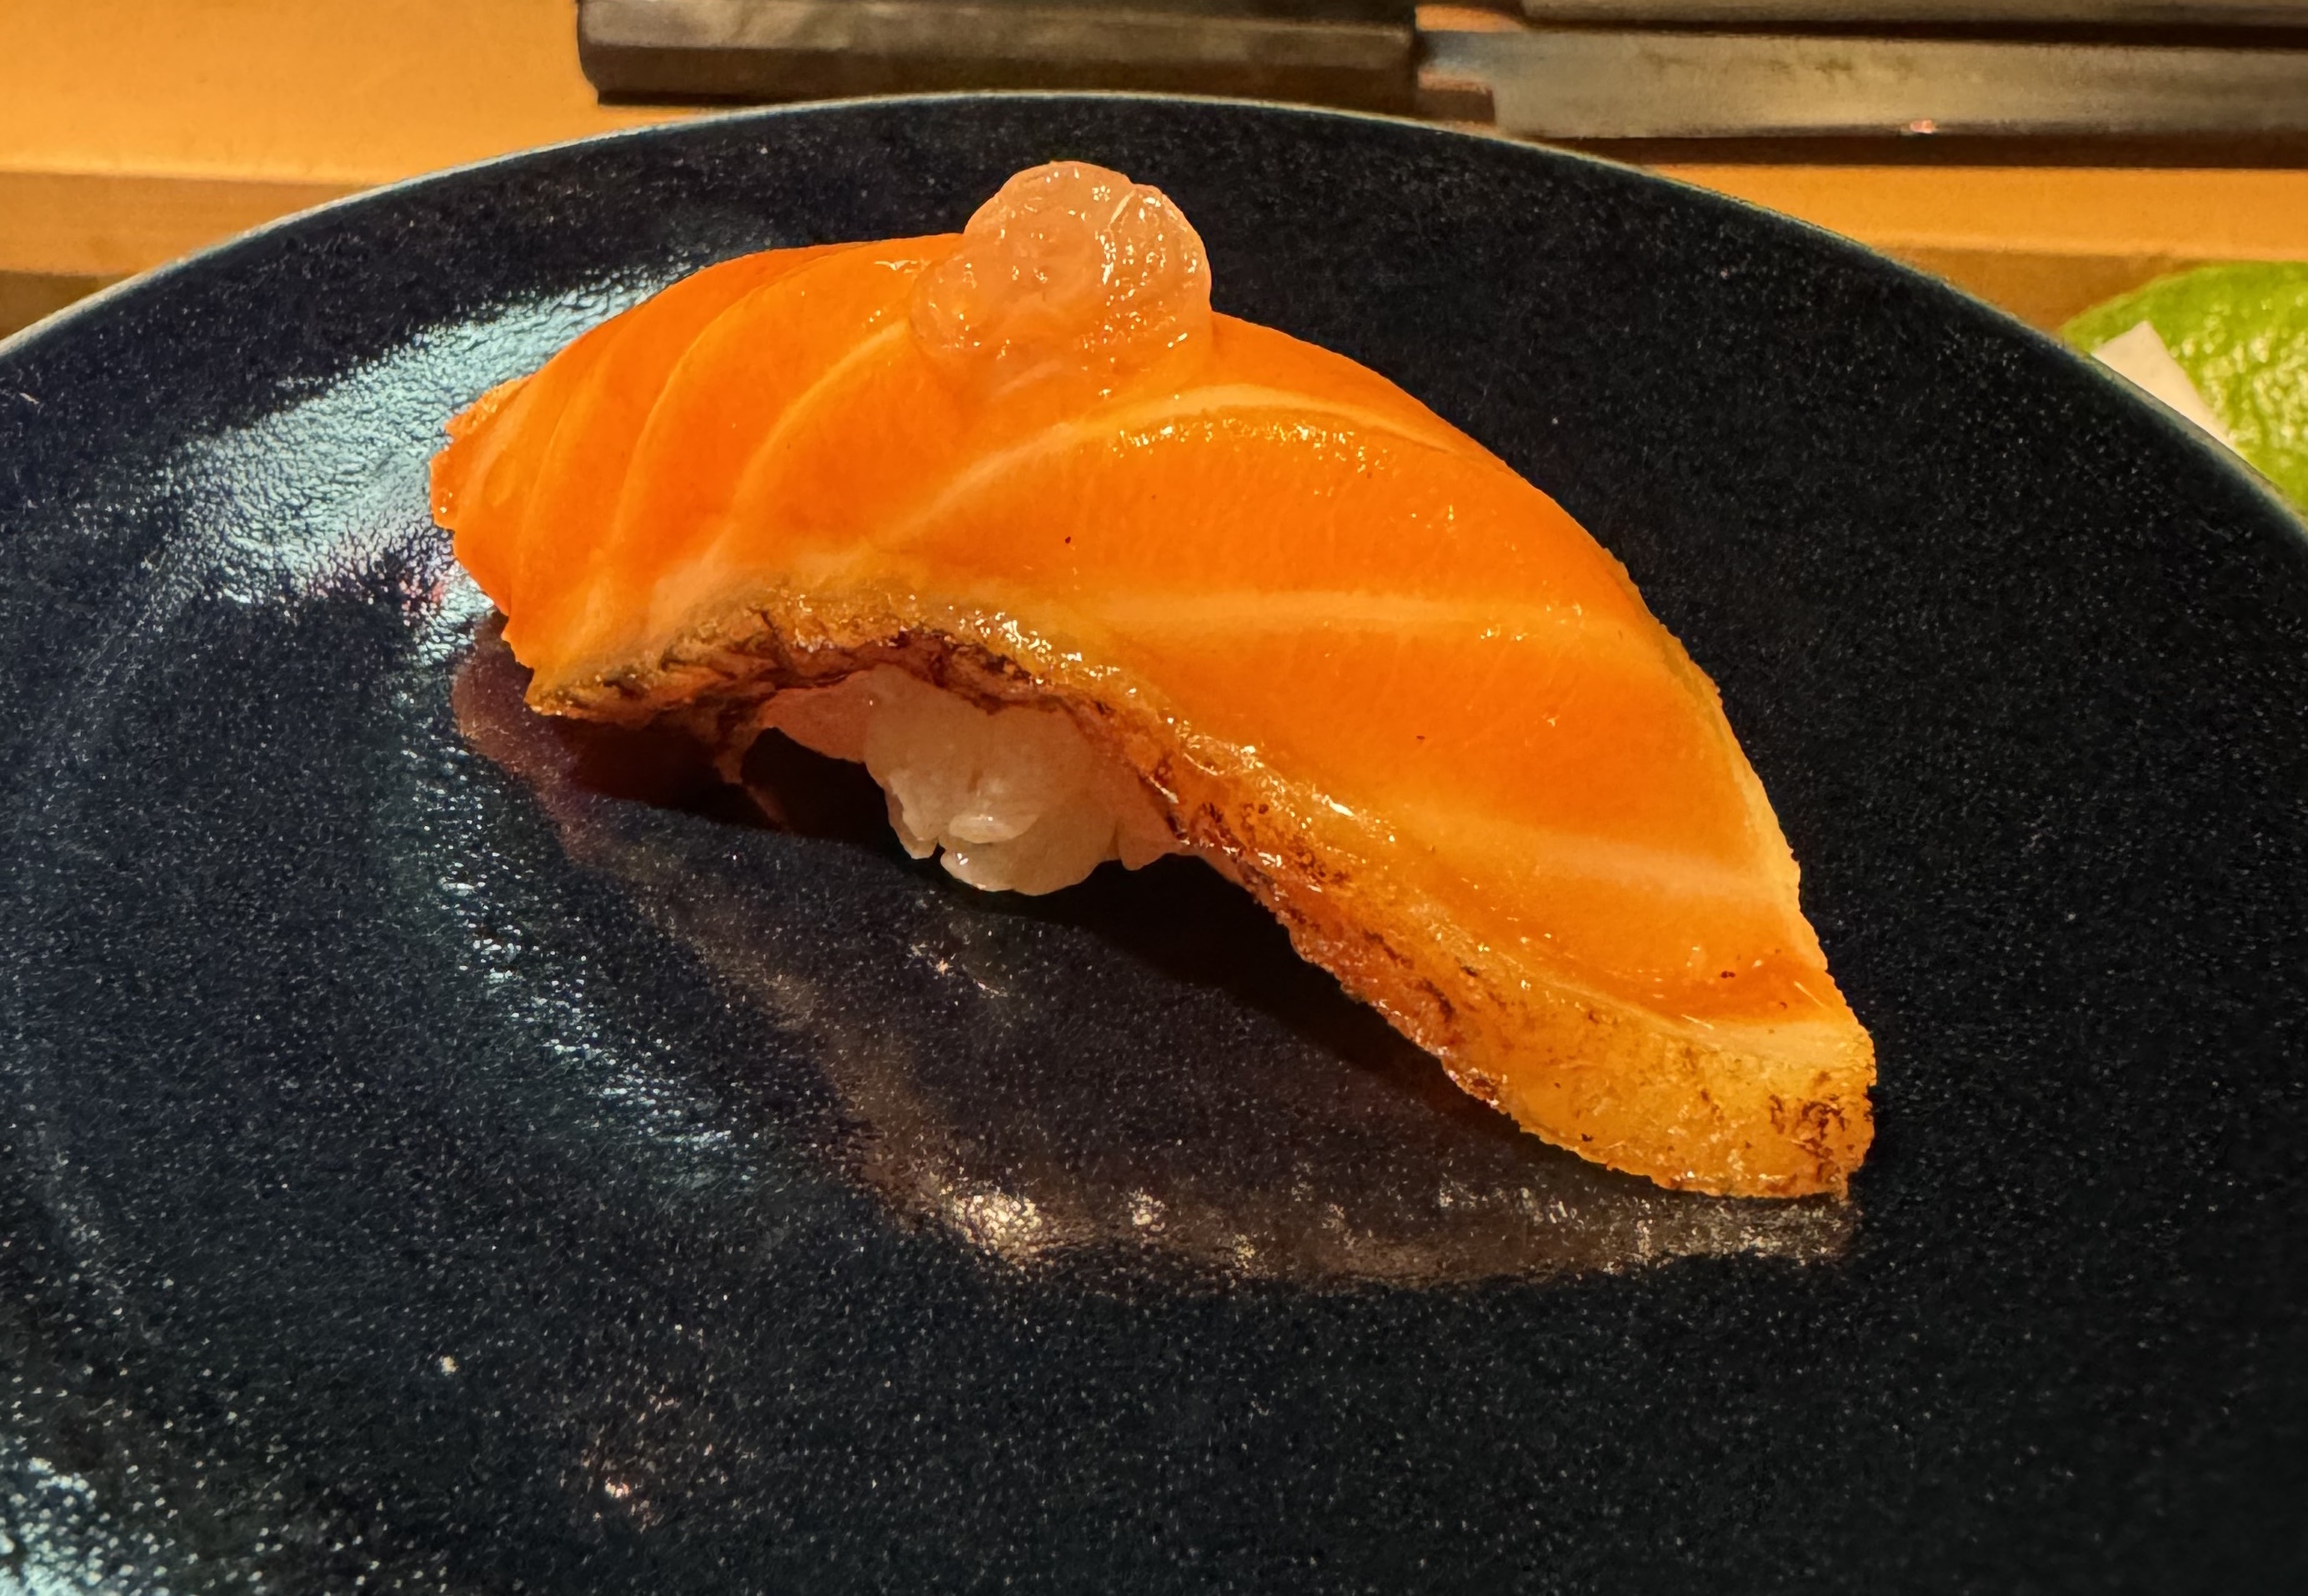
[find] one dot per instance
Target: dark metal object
(1595, 70)
(406, 1182)
(1630, 83)
(1354, 53)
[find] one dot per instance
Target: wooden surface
(133, 131)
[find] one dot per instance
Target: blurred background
(2130, 173)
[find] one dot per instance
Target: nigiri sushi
(1082, 570)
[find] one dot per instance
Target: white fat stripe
(1551, 851)
(799, 407)
(670, 602)
(1218, 400)
(1247, 611)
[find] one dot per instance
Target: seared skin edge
(1782, 1116)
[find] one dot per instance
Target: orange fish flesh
(1301, 626)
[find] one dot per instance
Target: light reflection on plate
(1290, 1136)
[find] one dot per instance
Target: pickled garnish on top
(1069, 269)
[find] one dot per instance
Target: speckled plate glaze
(442, 1153)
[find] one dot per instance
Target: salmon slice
(1081, 570)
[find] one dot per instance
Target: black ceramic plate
(443, 1155)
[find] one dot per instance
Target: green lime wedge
(2240, 333)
